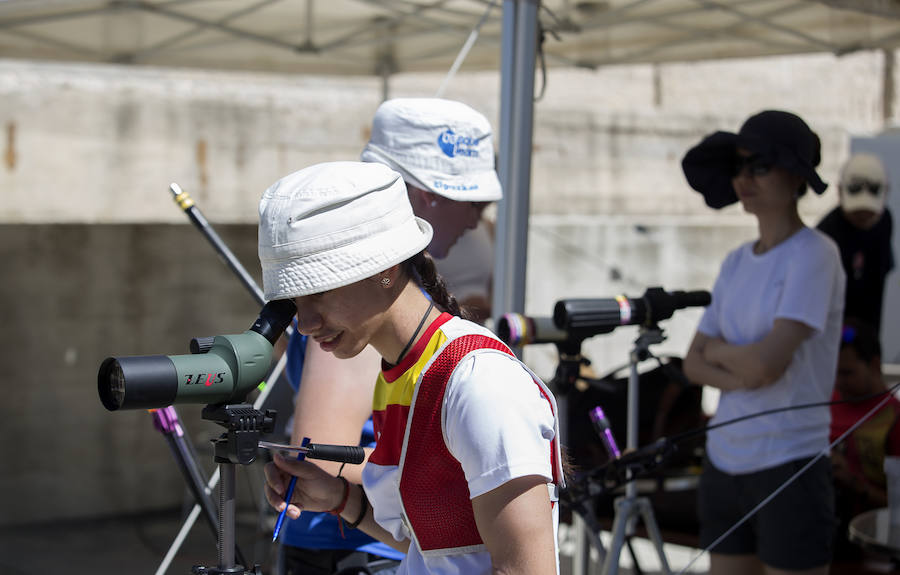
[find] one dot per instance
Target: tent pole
(518, 54)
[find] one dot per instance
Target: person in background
(467, 466)
(469, 269)
(769, 339)
(862, 227)
(858, 461)
(444, 151)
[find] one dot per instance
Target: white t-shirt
(498, 425)
(800, 279)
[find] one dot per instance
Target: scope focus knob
(202, 344)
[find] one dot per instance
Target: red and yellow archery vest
(408, 402)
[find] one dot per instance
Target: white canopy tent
(383, 37)
(363, 37)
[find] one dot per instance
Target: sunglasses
(857, 187)
(756, 164)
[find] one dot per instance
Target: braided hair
(421, 267)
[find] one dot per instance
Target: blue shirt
(315, 530)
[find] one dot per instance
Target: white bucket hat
(441, 146)
(333, 224)
(863, 184)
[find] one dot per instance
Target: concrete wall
(97, 260)
(72, 295)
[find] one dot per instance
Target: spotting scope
(220, 369)
(593, 316)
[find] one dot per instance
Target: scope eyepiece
(274, 318)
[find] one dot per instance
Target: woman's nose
(308, 319)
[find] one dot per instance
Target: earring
(385, 282)
(433, 203)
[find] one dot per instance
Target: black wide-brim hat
(780, 137)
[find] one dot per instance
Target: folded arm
(761, 363)
(701, 371)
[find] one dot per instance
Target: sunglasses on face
(857, 186)
(755, 164)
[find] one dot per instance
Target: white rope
(790, 480)
(470, 41)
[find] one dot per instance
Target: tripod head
(244, 425)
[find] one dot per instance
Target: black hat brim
(709, 168)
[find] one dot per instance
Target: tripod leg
(592, 529)
(167, 422)
(637, 566)
(581, 558)
(655, 535)
(623, 510)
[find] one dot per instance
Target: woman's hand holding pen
(315, 490)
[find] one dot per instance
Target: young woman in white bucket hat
(465, 474)
(443, 149)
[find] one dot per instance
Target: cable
(464, 51)
(790, 480)
(663, 445)
(692, 432)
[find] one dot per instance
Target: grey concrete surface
(72, 295)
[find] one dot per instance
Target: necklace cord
(415, 333)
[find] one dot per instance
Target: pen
(289, 494)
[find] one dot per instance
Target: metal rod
(193, 212)
(519, 46)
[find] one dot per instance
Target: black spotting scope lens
(152, 382)
(116, 389)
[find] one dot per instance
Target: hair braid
(432, 282)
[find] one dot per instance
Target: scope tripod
(584, 519)
(238, 445)
(630, 507)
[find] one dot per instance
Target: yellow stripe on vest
(400, 391)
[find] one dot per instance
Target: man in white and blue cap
(444, 150)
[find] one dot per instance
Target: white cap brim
(483, 186)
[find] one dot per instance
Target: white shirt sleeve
(496, 421)
(809, 282)
(709, 322)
